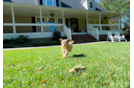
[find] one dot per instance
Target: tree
(116, 6)
(119, 6)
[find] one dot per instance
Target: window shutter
(67, 22)
(41, 2)
(57, 2)
(34, 27)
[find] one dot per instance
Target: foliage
(6, 41)
(56, 35)
(117, 6)
(19, 40)
(22, 39)
(6, 45)
(126, 31)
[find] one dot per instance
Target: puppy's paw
(64, 56)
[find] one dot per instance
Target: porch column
(111, 21)
(87, 21)
(63, 17)
(13, 20)
(100, 22)
(41, 21)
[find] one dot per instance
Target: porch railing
(107, 26)
(93, 31)
(67, 31)
(37, 34)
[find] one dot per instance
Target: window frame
(40, 23)
(59, 18)
(51, 17)
(89, 5)
(49, 5)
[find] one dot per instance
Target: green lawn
(107, 66)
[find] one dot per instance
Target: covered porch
(40, 21)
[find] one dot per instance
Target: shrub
(126, 31)
(56, 36)
(6, 41)
(13, 41)
(22, 39)
(19, 40)
(55, 42)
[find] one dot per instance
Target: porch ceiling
(33, 10)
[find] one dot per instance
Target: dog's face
(64, 42)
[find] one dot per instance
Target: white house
(39, 18)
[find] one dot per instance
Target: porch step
(83, 38)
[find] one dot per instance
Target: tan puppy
(66, 46)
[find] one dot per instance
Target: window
(49, 2)
(38, 22)
(59, 20)
(96, 21)
(91, 4)
(51, 20)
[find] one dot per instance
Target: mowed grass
(107, 66)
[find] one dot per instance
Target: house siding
(104, 21)
(18, 19)
(7, 29)
(7, 19)
(23, 19)
(24, 29)
(82, 24)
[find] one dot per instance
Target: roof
(99, 7)
(33, 10)
(81, 4)
(75, 4)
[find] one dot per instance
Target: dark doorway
(74, 24)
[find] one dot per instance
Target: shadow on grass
(79, 55)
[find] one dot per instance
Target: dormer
(50, 3)
(91, 5)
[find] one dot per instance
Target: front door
(74, 24)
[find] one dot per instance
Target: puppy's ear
(60, 39)
(68, 39)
